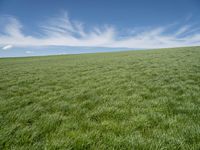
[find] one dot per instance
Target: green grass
(125, 100)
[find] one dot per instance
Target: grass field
(146, 99)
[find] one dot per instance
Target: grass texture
(148, 99)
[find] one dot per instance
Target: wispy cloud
(7, 47)
(62, 31)
(28, 52)
(182, 30)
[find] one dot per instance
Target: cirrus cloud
(7, 47)
(62, 31)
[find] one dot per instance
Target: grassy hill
(137, 99)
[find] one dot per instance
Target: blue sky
(44, 27)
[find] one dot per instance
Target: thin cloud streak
(62, 31)
(7, 47)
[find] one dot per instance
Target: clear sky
(43, 27)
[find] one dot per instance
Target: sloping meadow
(148, 99)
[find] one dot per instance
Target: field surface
(147, 99)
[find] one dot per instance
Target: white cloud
(182, 30)
(28, 52)
(61, 31)
(7, 47)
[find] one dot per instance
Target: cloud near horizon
(62, 31)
